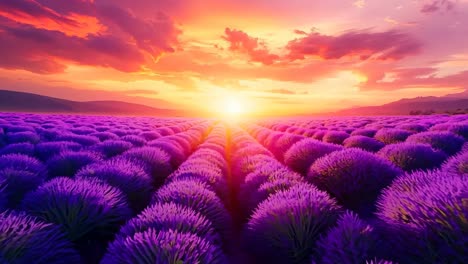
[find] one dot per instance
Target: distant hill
(455, 103)
(11, 101)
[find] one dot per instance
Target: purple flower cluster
(430, 206)
(25, 239)
(351, 241)
(286, 226)
(163, 247)
(129, 177)
(354, 177)
(457, 164)
(392, 135)
(82, 207)
(363, 142)
(302, 154)
(413, 156)
(446, 141)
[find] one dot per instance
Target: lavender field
(95, 189)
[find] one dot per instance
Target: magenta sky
(273, 55)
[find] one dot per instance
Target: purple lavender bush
(175, 152)
(112, 148)
(84, 208)
(415, 128)
(392, 135)
(247, 164)
(104, 136)
(335, 137)
(283, 144)
(265, 173)
(196, 195)
(367, 132)
(156, 162)
(22, 137)
(460, 129)
(351, 241)
(19, 162)
(135, 140)
(265, 190)
(319, 134)
(18, 148)
(457, 164)
(446, 141)
(285, 227)
(171, 216)
(163, 247)
(16, 183)
(150, 135)
(127, 176)
(212, 178)
(353, 176)
(305, 152)
(80, 139)
(68, 163)
(25, 239)
(413, 156)
(82, 130)
(3, 195)
(46, 150)
(426, 214)
(363, 142)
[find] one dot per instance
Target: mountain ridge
(13, 101)
(426, 105)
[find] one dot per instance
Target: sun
(232, 108)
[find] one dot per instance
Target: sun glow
(230, 106)
(232, 109)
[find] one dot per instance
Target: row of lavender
(74, 189)
(144, 190)
(403, 186)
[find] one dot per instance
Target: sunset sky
(273, 56)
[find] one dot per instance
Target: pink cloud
(44, 51)
(256, 50)
(412, 78)
(155, 36)
(362, 44)
(44, 36)
(438, 5)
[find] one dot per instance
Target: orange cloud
(256, 50)
(41, 39)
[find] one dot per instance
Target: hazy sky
(272, 55)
